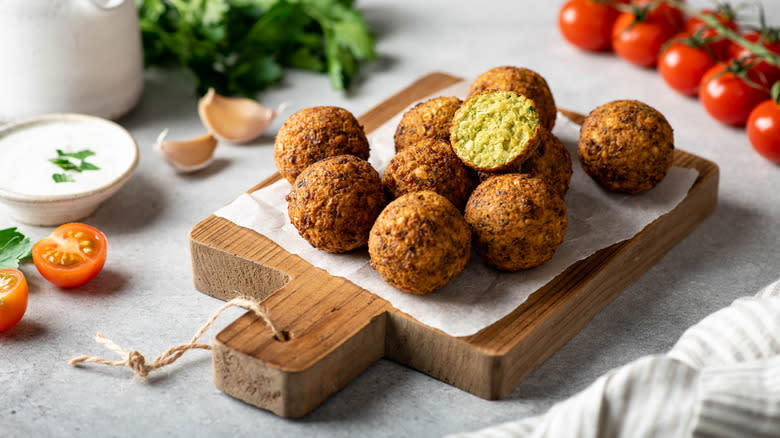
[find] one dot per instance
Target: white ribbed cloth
(721, 379)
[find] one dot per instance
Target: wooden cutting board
(334, 330)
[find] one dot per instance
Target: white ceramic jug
(82, 56)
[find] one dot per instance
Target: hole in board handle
(283, 336)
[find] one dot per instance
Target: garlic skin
(234, 119)
(187, 156)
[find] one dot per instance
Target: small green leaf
(306, 59)
(80, 155)
(65, 164)
(14, 246)
(88, 166)
(62, 177)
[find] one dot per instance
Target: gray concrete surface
(144, 299)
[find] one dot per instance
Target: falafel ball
(551, 162)
(430, 164)
(334, 202)
(495, 130)
(522, 81)
(516, 220)
(429, 119)
(626, 146)
(419, 242)
(313, 134)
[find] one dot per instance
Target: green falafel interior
(495, 129)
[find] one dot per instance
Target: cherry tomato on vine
(639, 36)
(72, 255)
(682, 64)
(665, 12)
(727, 97)
(13, 297)
(587, 24)
(771, 41)
(724, 14)
(763, 127)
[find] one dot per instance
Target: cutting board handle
(335, 330)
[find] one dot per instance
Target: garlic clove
(188, 155)
(234, 119)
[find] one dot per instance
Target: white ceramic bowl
(27, 187)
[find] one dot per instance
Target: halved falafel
(517, 222)
(626, 146)
(334, 202)
(313, 134)
(522, 81)
(428, 119)
(495, 130)
(420, 242)
(430, 164)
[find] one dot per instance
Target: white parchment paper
(480, 295)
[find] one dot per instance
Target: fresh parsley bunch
(239, 47)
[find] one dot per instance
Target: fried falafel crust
(522, 81)
(429, 119)
(551, 162)
(316, 133)
(626, 146)
(430, 164)
(419, 243)
(334, 202)
(495, 131)
(517, 222)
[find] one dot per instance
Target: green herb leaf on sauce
(80, 155)
(62, 177)
(14, 246)
(67, 162)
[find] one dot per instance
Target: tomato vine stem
(711, 21)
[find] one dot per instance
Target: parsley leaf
(239, 47)
(87, 166)
(80, 155)
(65, 164)
(14, 246)
(65, 161)
(62, 177)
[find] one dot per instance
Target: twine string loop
(137, 362)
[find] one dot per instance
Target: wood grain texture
(336, 329)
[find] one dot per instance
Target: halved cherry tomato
(587, 24)
(13, 297)
(639, 36)
(763, 127)
(682, 64)
(72, 255)
(727, 97)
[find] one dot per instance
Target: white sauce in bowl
(26, 147)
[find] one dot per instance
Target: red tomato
(727, 97)
(719, 46)
(763, 130)
(639, 41)
(666, 12)
(682, 66)
(13, 297)
(587, 24)
(771, 42)
(72, 255)
(725, 16)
